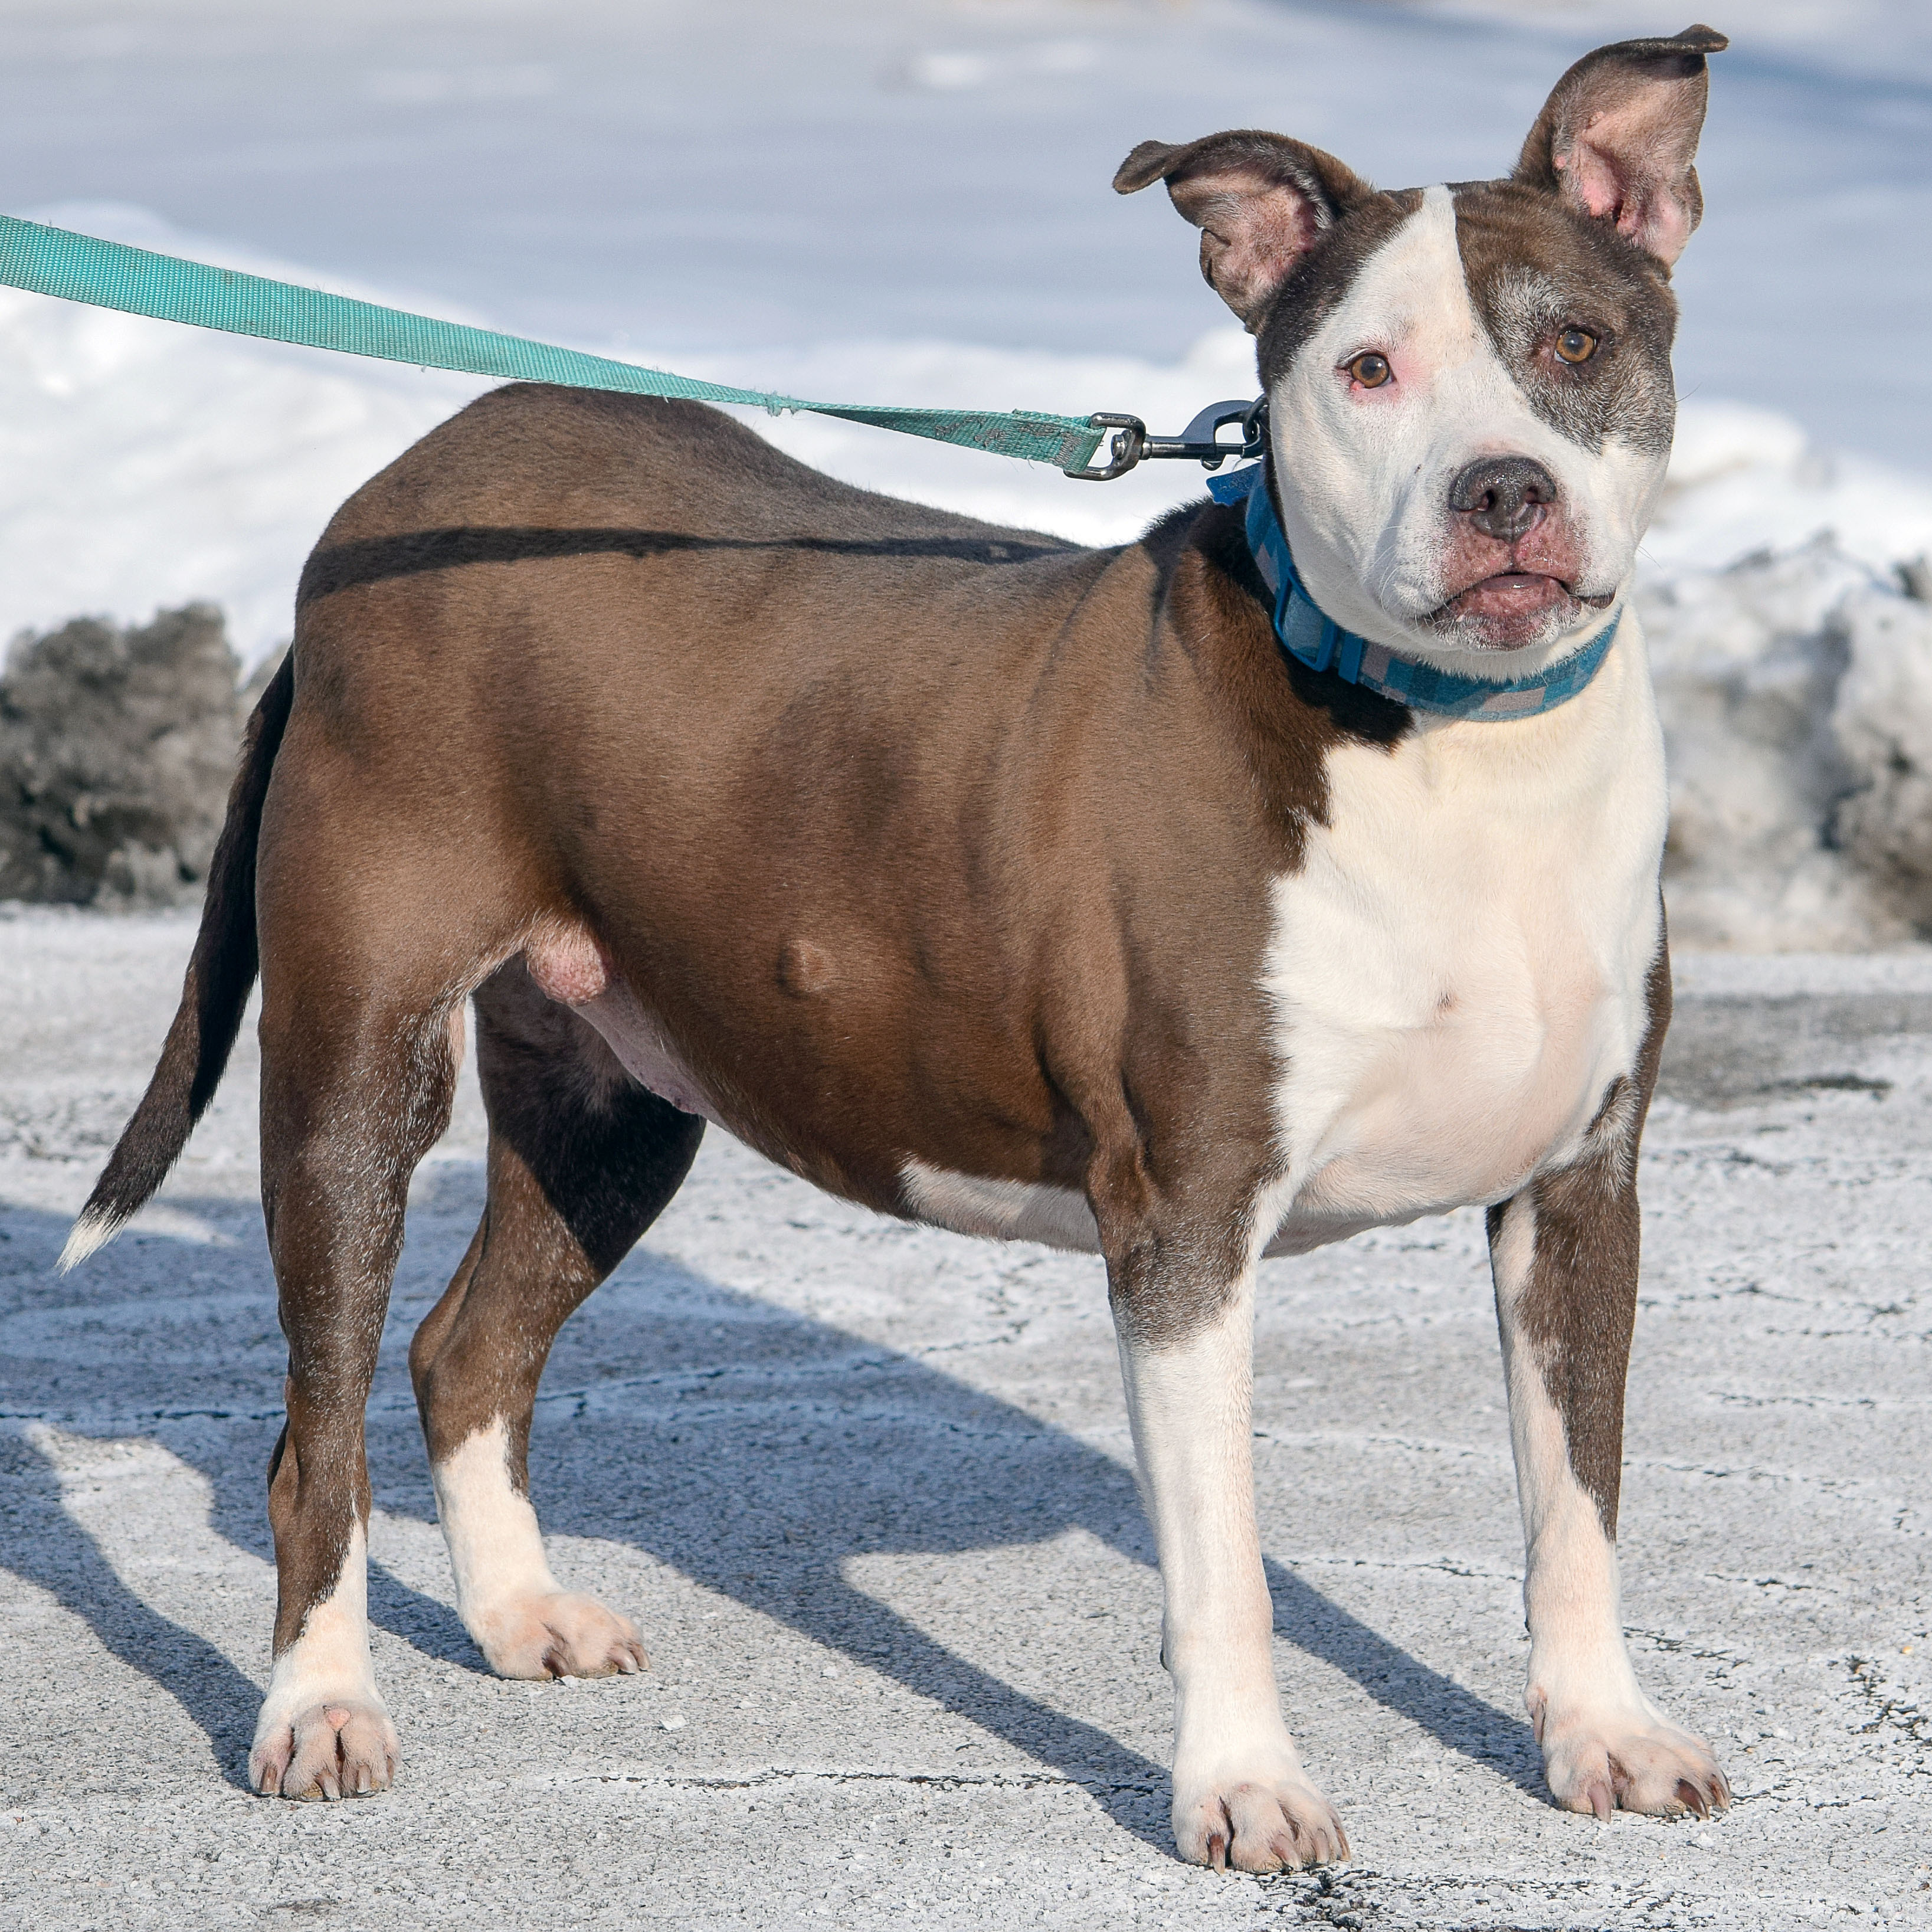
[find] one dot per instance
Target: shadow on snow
(753, 1450)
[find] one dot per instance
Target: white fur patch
(329, 1661)
(1458, 970)
(509, 1602)
(1190, 1405)
(89, 1235)
(1009, 1210)
(495, 1548)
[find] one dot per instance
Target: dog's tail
(220, 976)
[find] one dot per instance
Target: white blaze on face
(1365, 475)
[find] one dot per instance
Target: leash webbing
(110, 275)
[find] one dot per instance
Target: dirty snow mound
(117, 749)
(1782, 589)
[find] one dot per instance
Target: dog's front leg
(1240, 1796)
(1564, 1255)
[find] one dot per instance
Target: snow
(686, 175)
(143, 465)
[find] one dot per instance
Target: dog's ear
(1617, 139)
(1258, 200)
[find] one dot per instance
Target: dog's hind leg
(582, 1160)
(359, 1067)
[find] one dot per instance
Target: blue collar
(1319, 642)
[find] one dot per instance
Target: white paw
(1635, 1760)
(341, 1747)
(1260, 1824)
(557, 1633)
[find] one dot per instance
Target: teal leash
(110, 275)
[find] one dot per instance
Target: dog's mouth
(1510, 608)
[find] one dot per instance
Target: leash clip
(1201, 440)
(1128, 446)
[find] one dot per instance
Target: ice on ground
(143, 464)
(790, 1436)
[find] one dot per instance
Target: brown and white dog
(1023, 889)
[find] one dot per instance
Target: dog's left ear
(1617, 138)
(1258, 200)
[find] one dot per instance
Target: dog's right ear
(1259, 200)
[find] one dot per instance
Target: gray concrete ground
(867, 1490)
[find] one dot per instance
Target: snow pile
(144, 465)
(1782, 591)
(1764, 672)
(1883, 723)
(116, 751)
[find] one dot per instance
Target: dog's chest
(1457, 969)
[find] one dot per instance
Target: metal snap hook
(1200, 440)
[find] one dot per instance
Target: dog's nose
(1504, 496)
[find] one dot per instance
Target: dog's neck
(1314, 638)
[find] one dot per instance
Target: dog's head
(1469, 386)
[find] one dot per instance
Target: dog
(1290, 871)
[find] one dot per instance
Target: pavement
(867, 1490)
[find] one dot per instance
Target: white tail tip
(94, 1230)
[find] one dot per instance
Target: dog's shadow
(760, 1453)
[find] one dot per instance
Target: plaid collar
(1319, 642)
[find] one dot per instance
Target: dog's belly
(570, 967)
(1430, 1118)
(1006, 1210)
(636, 1038)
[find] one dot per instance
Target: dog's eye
(1369, 369)
(1576, 345)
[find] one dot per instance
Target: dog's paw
(1260, 1824)
(343, 1747)
(558, 1634)
(1637, 1762)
